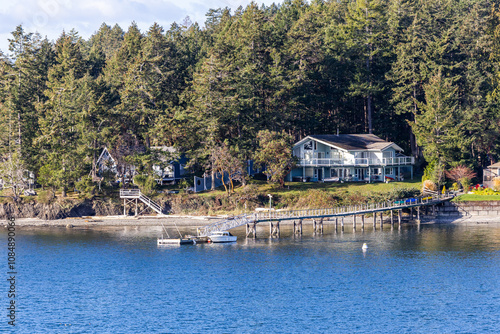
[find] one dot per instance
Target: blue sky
(51, 17)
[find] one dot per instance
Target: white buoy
(365, 246)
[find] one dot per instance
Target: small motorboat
(175, 241)
(222, 236)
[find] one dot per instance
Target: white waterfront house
(349, 157)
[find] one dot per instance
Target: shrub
(428, 186)
(433, 172)
(460, 172)
(46, 197)
(315, 198)
(403, 192)
(28, 199)
(147, 184)
(85, 187)
(466, 183)
(485, 192)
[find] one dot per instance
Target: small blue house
(171, 169)
(349, 157)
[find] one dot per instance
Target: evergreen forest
(422, 73)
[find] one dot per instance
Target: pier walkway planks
(271, 215)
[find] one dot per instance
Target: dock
(393, 209)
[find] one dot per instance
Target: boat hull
(223, 238)
(179, 241)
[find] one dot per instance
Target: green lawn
(476, 198)
(295, 188)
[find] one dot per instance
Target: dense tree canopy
(422, 73)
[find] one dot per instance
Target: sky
(51, 17)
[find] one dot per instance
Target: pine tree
(64, 119)
(439, 127)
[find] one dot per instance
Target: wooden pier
(317, 216)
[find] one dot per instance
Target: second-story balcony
(361, 162)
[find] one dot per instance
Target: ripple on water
(439, 279)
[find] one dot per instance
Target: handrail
(136, 193)
(130, 192)
(243, 219)
(397, 161)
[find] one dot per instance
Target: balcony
(359, 162)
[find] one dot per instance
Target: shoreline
(200, 221)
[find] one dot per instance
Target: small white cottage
(349, 157)
(489, 173)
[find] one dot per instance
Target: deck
(358, 162)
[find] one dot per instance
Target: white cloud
(51, 17)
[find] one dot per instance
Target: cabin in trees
(490, 173)
(349, 157)
(169, 169)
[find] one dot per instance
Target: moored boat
(173, 241)
(222, 236)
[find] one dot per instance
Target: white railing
(130, 193)
(136, 193)
(263, 216)
(352, 209)
(153, 205)
(226, 224)
(399, 161)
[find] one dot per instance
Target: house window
(335, 155)
(318, 174)
(389, 171)
(308, 146)
(333, 172)
(359, 173)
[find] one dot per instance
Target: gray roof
(353, 142)
(170, 149)
(497, 165)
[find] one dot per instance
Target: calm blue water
(439, 279)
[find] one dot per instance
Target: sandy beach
(95, 221)
(198, 221)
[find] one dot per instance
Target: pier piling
(297, 228)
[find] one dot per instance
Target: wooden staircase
(129, 195)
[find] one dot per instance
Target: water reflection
(429, 279)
